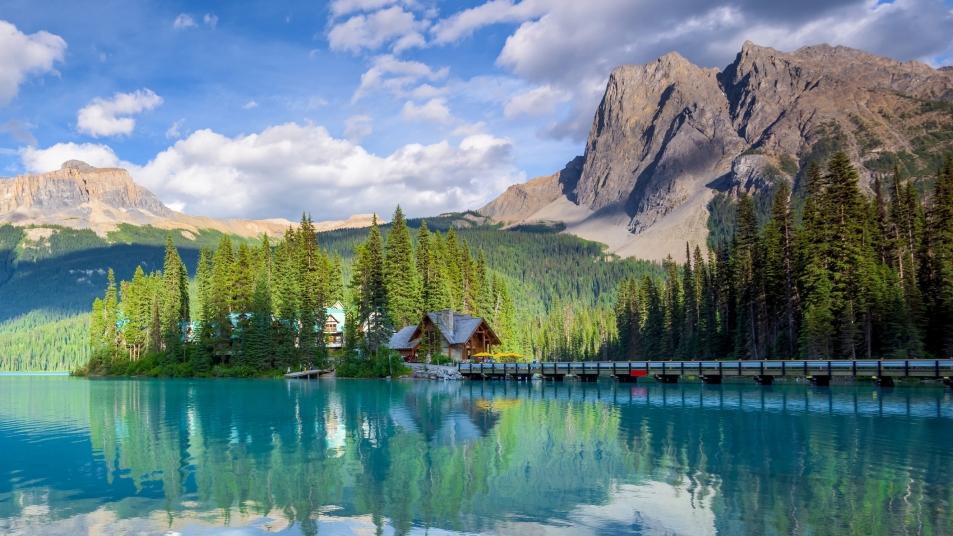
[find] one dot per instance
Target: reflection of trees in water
(841, 472)
(472, 455)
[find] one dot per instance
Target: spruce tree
(401, 277)
(174, 312)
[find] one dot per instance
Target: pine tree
(257, 342)
(484, 295)
(174, 311)
(368, 283)
(454, 273)
(401, 277)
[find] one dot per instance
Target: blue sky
(255, 109)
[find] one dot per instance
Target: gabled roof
(463, 326)
(402, 339)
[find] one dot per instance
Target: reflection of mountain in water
(473, 456)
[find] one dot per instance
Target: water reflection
(117, 456)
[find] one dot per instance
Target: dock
(312, 373)
(882, 372)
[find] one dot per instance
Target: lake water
(406, 457)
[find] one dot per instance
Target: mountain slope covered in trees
(854, 277)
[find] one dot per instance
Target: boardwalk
(312, 373)
(819, 372)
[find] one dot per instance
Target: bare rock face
(521, 200)
(662, 131)
(668, 133)
(70, 191)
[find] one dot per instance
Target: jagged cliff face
(662, 131)
(84, 197)
(669, 134)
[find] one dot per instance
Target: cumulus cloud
(99, 118)
(536, 102)
(371, 31)
(19, 130)
(249, 105)
(388, 73)
(433, 111)
(183, 21)
(211, 174)
(211, 20)
(464, 23)
(43, 160)
(570, 46)
(357, 126)
(23, 55)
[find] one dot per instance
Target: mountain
(669, 135)
(81, 196)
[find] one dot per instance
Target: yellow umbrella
(483, 354)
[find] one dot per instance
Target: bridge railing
(924, 368)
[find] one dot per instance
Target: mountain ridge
(669, 135)
(81, 196)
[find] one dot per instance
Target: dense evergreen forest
(49, 275)
(851, 277)
(259, 307)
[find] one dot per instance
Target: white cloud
(357, 127)
(387, 73)
(173, 131)
(343, 7)
(183, 21)
(43, 160)
(433, 111)
(316, 102)
(372, 31)
(22, 55)
(287, 169)
(469, 129)
(249, 105)
(536, 102)
(464, 23)
(210, 20)
(99, 118)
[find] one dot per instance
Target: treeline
(43, 340)
(854, 278)
(252, 308)
(259, 308)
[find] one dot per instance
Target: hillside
(669, 136)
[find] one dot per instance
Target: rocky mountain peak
(669, 134)
(81, 196)
(78, 165)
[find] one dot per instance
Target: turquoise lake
(108, 456)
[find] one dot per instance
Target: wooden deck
(315, 373)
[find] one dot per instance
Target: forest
(259, 308)
(835, 275)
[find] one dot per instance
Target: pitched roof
(463, 326)
(401, 340)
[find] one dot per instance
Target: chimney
(446, 318)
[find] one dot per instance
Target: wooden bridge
(764, 372)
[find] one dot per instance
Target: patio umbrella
(483, 354)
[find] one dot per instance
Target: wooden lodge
(461, 336)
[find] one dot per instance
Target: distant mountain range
(669, 135)
(84, 197)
